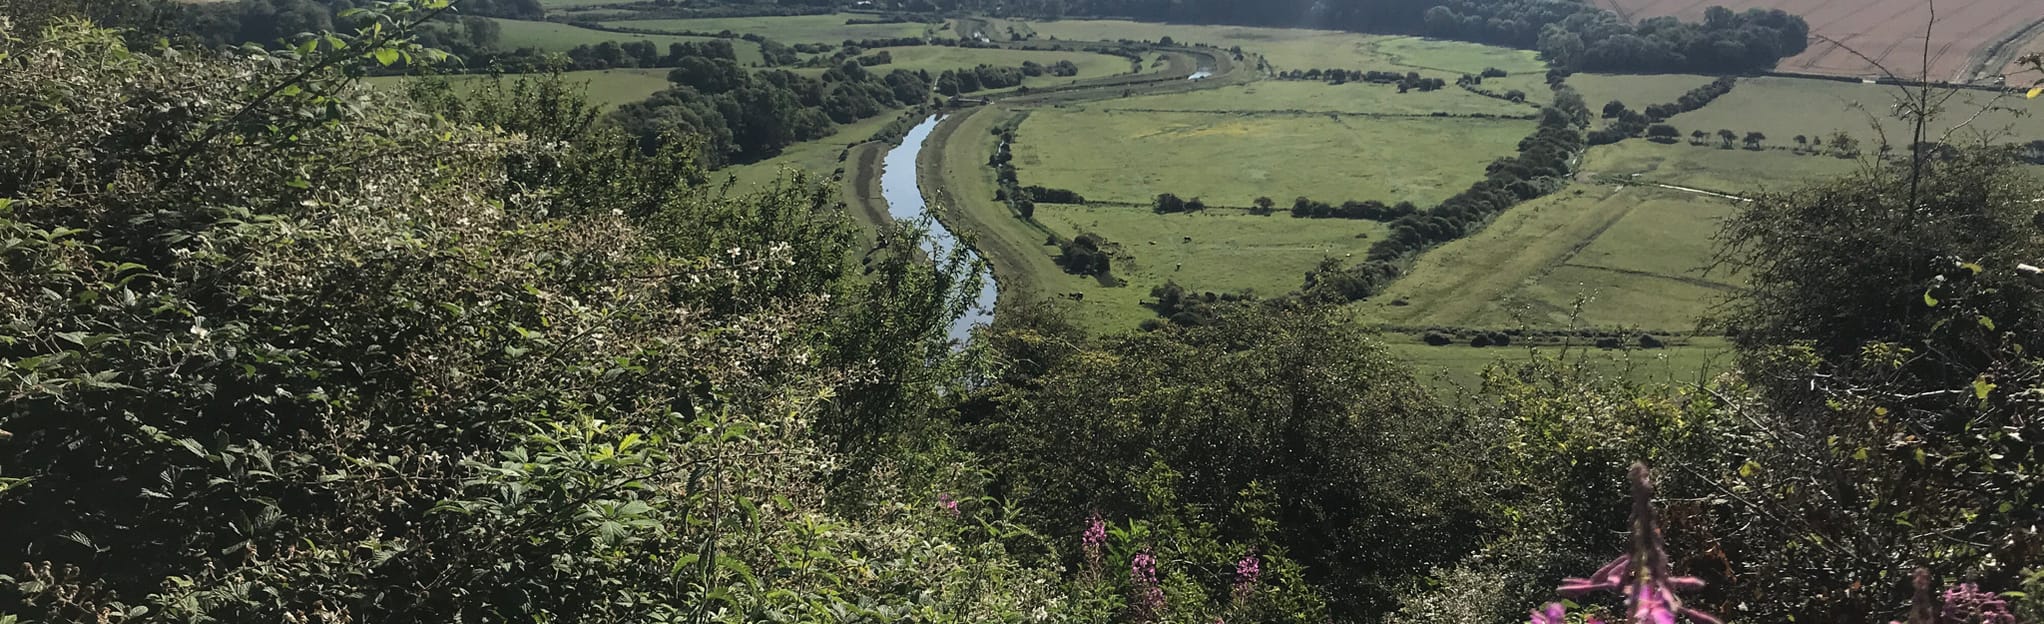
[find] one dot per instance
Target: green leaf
(386, 56)
(1981, 388)
(1987, 323)
(1929, 300)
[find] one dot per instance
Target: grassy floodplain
(1214, 251)
(1740, 172)
(1230, 159)
(1633, 256)
(787, 29)
(1635, 90)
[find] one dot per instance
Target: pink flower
(1142, 572)
(1550, 615)
(1642, 575)
(948, 504)
(1246, 573)
(1966, 604)
(1096, 532)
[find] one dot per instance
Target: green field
(553, 37)
(1633, 255)
(937, 59)
(786, 29)
(1217, 251)
(1636, 91)
(1231, 159)
(1785, 107)
(1317, 97)
(608, 87)
(1729, 171)
(1460, 367)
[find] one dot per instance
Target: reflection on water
(905, 203)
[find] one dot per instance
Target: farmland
(1887, 32)
(1786, 107)
(1232, 158)
(790, 29)
(1216, 251)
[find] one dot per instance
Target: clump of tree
(1086, 254)
(1185, 308)
(1168, 203)
(1052, 195)
(1062, 68)
(955, 82)
(746, 116)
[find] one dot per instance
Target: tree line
(1407, 81)
(1627, 123)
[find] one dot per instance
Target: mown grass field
(1318, 97)
(554, 37)
(1216, 251)
(1785, 107)
(1631, 256)
(937, 59)
(1231, 159)
(787, 29)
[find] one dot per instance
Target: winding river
(905, 203)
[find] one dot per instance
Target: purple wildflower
(1142, 572)
(1550, 615)
(950, 505)
(1643, 575)
(1966, 604)
(1096, 532)
(1246, 573)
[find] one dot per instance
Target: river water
(905, 203)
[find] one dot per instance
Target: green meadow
(1231, 159)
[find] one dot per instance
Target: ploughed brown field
(1972, 41)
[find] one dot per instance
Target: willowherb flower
(1246, 572)
(949, 504)
(1142, 572)
(1966, 604)
(1642, 575)
(1094, 537)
